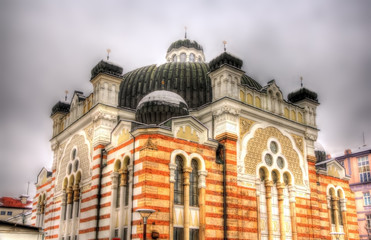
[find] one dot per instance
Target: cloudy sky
(48, 47)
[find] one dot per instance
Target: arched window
(193, 181)
(191, 57)
(174, 58)
(126, 203)
(118, 198)
(178, 185)
(183, 57)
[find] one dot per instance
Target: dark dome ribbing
(189, 80)
(185, 43)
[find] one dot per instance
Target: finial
(225, 43)
(108, 52)
(364, 141)
(65, 98)
(301, 81)
(185, 32)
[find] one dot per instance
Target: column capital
(343, 205)
(202, 179)
(172, 168)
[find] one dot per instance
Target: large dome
(189, 80)
(185, 74)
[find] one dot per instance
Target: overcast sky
(48, 47)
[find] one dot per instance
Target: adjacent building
(16, 210)
(213, 152)
(357, 165)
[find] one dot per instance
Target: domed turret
(185, 50)
(108, 68)
(225, 58)
(302, 94)
(159, 106)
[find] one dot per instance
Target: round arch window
(274, 147)
(73, 154)
(69, 170)
(76, 165)
(174, 58)
(286, 179)
(280, 162)
(262, 174)
(268, 159)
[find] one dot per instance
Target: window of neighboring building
(367, 198)
(2, 212)
(9, 214)
(368, 219)
(364, 169)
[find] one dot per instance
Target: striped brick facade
(252, 164)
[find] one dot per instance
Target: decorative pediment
(42, 178)
(121, 133)
(189, 129)
(334, 169)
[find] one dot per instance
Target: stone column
(280, 188)
(186, 171)
(76, 199)
(172, 167)
(294, 231)
(334, 201)
(123, 185)
(69, 201)
(343, 207)
(268, 196)
(257, 185)
(114, 179)
(201, 203)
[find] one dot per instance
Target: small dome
(108, 68)
(320, 152)
(302, 94)
(159, 106)
(185, 43)
(60, 107)
(225, 58)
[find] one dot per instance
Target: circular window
(76, 165)
(280, 162)
(191, 57)
(73, 153)
(268, 159)
(274, 147)
(69, 168)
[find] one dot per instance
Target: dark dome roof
(159, 106)
(302, 94)
(60, 107)
(225, 58)
(189, 80)
(108, 68)
(185, 43)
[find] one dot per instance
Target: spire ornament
(108, 52)
(185, 32)
(301, 81)
(225, 45)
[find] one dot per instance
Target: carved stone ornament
(226, 109)
(245, 125)
(299, 141)
(150, 145)
(104, 115)
(89, 131)
(311, 137)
